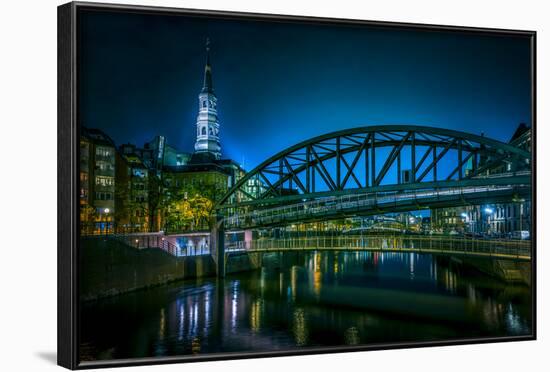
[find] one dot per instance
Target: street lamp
(521, 218)
(467, 227)
(488, 212)
(106, 211)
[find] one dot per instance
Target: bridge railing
(155, 241)
(516, 249)
(143, 241)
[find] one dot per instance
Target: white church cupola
(208, 140)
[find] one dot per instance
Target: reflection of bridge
(446, 245)
(373, 170)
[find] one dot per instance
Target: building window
(104, 181)
(105, 166)
(103, 196)
(84, 147)
(103, 152)
(204, 104)
(210, 132)
(204, 131)
(141, 173)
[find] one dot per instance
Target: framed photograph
(236, 185)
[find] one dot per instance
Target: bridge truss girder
(370, 158)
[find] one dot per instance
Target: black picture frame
(68, 163)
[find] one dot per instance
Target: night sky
(280, 83)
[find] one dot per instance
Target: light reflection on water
(308, 299)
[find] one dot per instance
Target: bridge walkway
(519, 250)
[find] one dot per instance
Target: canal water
(300, 300)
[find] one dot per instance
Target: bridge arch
(375, 158)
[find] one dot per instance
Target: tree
(158, 198)
(130, 213)
(88, 215)
(179, 215)
(201, 209)
(123, 209)
(190, 207)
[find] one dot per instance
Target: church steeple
(207, 83)
(208, 140)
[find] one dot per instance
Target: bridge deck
(364, 204)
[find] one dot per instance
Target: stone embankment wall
(109, 267)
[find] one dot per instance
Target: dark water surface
(307, 299)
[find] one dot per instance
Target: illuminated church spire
(207, 84)
(208, 140)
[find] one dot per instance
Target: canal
(300, 300)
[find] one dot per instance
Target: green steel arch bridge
(373, 170)
(377, 169)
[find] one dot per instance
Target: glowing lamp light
(107, 210)
(488, 210)
(137, 240)
(464, 215)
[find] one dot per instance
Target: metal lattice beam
(320, 163)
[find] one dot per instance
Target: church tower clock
(208, 140)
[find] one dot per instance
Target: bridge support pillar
(217, 242)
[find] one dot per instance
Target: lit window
(104, 181)
(103, 151)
